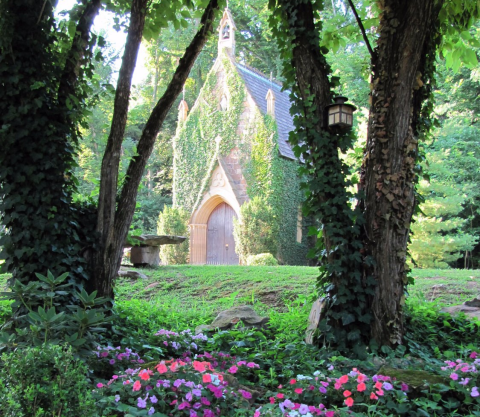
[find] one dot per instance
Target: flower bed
(218, 384)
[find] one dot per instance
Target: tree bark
(388, 174)
(76, 55)
(111, 158)
(115, 224)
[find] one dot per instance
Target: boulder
(229, 318)
(464, 308)
(131, 274)
(473, 303)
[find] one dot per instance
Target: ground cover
(270, 370)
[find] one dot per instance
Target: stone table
(148, 252)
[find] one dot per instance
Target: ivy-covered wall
(266, 172)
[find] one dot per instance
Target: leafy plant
(174, 221)
(36, 321)
(264, 259)
(257, 231)
(45, 381)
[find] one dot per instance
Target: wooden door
(220, 242)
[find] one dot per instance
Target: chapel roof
(258, 85)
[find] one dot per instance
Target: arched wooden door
(220, 242)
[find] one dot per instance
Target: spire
(226, 33)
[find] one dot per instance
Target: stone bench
(148, 251)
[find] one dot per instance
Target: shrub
(174, 221)
(257, 231)
(44, 381)
(262, 259)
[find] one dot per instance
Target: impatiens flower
(256, 414)
(206, 378)
(153, 399)
(280, 395)
(183, 405)
(111, 361)
(474, 392)
(204, 401)
(378, 385)
(99, 385)
(454, 376)
(303, 409)
(361, 378)
(343, 379)
(361, 387)
(161, 368)
(404, 387)
(173, 366)
(298, 390)
(137, 385)
(373, 396)
(380, 392)
(464, 381)
(349, 401)
(197, 392)
(141, 403)
(387, 386)
(151, 411)
(233, 369)
(245, 394)
(193, 413)
(252, 365)
(272, 400)
(347, 393)
(322, 389)
(473, 355)
(117, 398)
(145, 374)
(293, 381)
(330, 414)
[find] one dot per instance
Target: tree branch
(77, 52)
(360, 25)
(137, 165)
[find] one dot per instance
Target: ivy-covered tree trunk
(401, 82)
(38, 135)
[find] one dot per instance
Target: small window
(299, 224)
(224, 103)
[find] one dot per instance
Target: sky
(104, 22)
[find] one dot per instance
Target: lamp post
(340, 114)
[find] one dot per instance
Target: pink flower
(404, 387)
(361, 387)
(99, 385)
(347, 393)
(298, 390)
(373, 396)
(473, 355)
(233, 369)
(454, 376)
(280, 395)
(349, 401)
(272, 400)
(137, 385)
(474, 392)
(343, 379)
(256, 414)
(245, 394)
(293, 381)
(330, 414)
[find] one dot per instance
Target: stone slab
(158, 240)
(313, 320)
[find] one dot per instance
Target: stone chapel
(233, 145)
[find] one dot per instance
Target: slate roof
(258, 85)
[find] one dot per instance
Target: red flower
(347, 393)
(361, 387)
(373, 396)
(343, 379)
(293, 381)
(349, 401)
(298, 390)
(207, 378)
(272, 400)
(280, 395)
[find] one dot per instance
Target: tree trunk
(115, 224)
(111, 158)
(407, 30)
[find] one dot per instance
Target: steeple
(226, 33)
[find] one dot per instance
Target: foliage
(45, 230)
(174, 221)
(257, 230)
(44, 381)
(41, 324)
(265, 259)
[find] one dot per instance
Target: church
(231, 146)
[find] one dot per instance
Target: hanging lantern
(340, 114)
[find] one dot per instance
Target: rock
(473, 303)
(228, 318)
(155, 240)
(413, 378)
(145, 255)
(313, 320)
(131, 274)
(468, 311)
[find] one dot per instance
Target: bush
(262, 259)
(44, 381)
(257, 231)
(174, 221)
